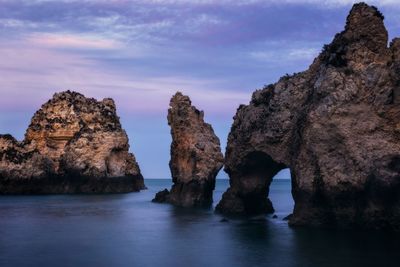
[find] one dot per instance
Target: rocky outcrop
(73, 144)
(336, 126)
(196, 156)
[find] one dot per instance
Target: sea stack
(196, 156)
(336, 126)
(74, 144)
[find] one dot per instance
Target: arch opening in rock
(280, 193)
(249, 190)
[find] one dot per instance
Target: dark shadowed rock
(336, 126)
(287, 218)
(73, 144)
(161, 196)
(196, 155)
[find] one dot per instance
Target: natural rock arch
(336, 126)
(256, 172)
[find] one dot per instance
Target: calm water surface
(129, 230)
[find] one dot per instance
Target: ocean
(130, 230)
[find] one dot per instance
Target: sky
(140, 52)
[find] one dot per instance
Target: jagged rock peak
(179, 99)
(74, 137)
(196, 155)
(181, 109)
(362, 14)
(363, 41)
(366, 23)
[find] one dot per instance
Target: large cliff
(196, 156)
(73, 144)
(336, 126)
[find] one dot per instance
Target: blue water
(129, 230)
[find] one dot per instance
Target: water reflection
(130, 230)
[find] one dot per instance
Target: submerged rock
(336, 126)
(196, 155)
(73, 144)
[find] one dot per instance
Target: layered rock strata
(196, 156)
(336, 126)
(74, 144)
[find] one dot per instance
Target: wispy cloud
(35, 72)
(241, 2)
(66, 40)
(286, 55)
(18, 24)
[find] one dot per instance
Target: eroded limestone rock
(73, 144)
(336, 126)
(196, 156)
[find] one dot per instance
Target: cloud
(66, 40)
(32, 72)
(285, 55)
(15, 23)
(233, 2)
(322, 3)
(201, 23)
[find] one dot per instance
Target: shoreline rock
(73, 144)
(196, 156)
(335, 125)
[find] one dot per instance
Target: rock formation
(336, 126)
(196, 156)
(73, 144)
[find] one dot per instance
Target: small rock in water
(224, 220)
(274, 217)
(287, 218)
(161, 196)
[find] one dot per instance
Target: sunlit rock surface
(336, 126)
(73, 144)
(196, 156)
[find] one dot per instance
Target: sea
(130, 230)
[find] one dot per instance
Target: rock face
(73, 144)
(336, 126)
(196, 156)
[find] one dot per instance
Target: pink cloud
(64, 40)
(32, 73)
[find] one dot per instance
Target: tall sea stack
(196, 156)
(74, 144)
(336, 126)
